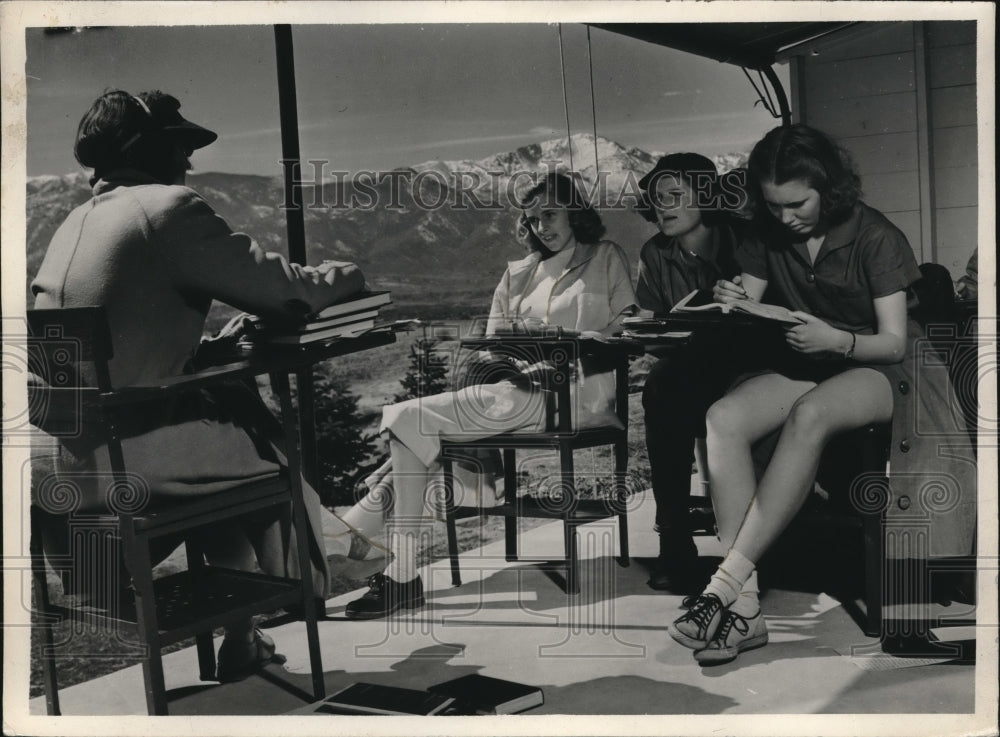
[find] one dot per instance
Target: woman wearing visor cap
(155, 254)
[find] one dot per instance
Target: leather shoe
(677, 576)
(678, 569)
(386, 596)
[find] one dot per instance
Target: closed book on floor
(490, 695)
(371, 698)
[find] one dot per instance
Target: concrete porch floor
(604, 651)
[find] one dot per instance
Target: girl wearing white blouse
(571, 279)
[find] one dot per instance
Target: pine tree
(428, 371)
(342, 445)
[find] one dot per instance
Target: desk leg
(302, 531)
(569, 527)
(450, 521)
(307, 426)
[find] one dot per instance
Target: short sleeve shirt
(861, 259)
(667, 273)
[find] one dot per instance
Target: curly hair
(559, 190)
(700, 175)
(800, 152)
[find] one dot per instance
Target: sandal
(698, 625)
(240, 660)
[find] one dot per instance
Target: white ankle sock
(733, 572)
(404, 543)
(747, 604)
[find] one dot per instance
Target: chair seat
(212, 507)
(225, 595)
(560, 436)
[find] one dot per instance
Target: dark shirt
(861, 259)
(668, 273)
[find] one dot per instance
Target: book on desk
(356, 303)
(344, 319)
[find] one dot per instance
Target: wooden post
(287, 105)
(928, 240)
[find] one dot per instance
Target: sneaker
(698, 625)
(736, 634)
(386, 596)
(240, 660)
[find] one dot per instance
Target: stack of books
(344, 319)
(652, 329)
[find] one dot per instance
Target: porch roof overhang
(750, 45)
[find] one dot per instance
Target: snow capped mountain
(578, 153)
(440, 253)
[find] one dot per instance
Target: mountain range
(421, 231)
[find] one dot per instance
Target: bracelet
(850, 351)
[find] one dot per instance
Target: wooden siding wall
(901, 97)
(951, 81)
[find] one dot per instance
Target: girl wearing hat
(845, 269)
(154, 254)
(695, 247)
(572, 279)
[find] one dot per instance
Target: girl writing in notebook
(844, 269)
(572, 279)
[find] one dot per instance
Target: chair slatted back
(61, 343)
(81, 331)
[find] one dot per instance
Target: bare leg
(733, 425)
(849, 400)
(745, 415)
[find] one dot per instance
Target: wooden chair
(190, 603)
(890, 583)
(559, 435)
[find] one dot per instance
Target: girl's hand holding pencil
(726, 291)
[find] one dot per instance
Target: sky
(382, 96)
